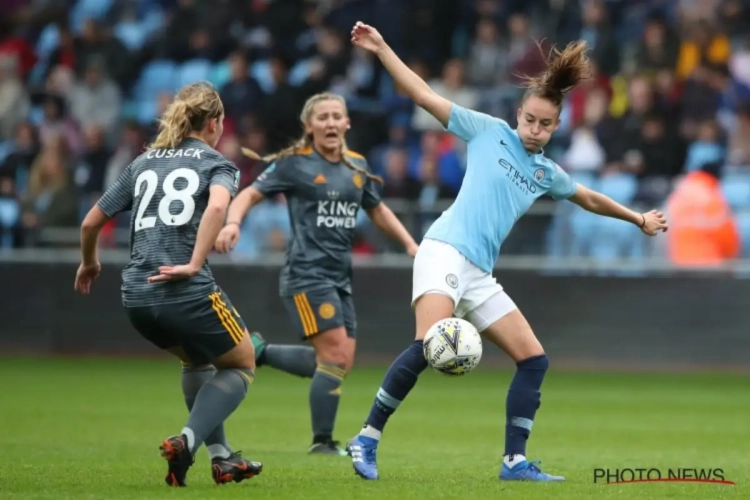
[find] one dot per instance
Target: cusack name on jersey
(333, 213)
(175, 153)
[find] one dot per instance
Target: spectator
(96, 99)
(702, 230)
(241, 94)
(51, 200)
(453, 87)
(703, 45)
(597, 31)
(739, 140)
(14, 100)
(17, 164)
(487, 64)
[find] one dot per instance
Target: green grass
(90, 428)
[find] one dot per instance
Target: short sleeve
(466, 124)
(563, 187)
(370, 195)
(119, 196)
(227, 175)
(274, 180)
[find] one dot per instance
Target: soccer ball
(453, 346)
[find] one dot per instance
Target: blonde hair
(306, 140)
(192, 108)
(564, 70)
(40, 180)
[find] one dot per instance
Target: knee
(247, 375)
(539, 363)
(336, 354)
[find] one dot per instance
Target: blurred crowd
(83, 81)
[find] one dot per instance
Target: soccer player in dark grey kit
(179, 191)
(325, 185)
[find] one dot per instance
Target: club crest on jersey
(539, 174)
(326, 310)
(358, 180)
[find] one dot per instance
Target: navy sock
(399, 380)
(522, 403)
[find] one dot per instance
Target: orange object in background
(702, 229)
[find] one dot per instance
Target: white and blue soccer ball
(453, 346)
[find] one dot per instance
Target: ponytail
(193, 106)
(564, 71)
(306, 142)
(174, 126)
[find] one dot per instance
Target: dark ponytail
(564, 71)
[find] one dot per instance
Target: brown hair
(306, 140)
(564, 71)
(192, 108)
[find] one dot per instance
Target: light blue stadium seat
(10, 211)
(157, 76)
(620, 187)
(588, 179)
(147, 110)
(220, 74)
(48, 41)
(261, 71)
(742, 219)
(299, 73)
(736, 189)
(88, 9)
(6, 147)
(195, 70)
(153, 21)
(131, 34)
(582, 229)
(569, 233)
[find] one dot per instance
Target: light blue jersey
(502, 181)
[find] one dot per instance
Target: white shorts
(477, 296)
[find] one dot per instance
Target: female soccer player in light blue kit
(506, 172)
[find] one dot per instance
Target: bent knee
(334, 347)
(341, 357)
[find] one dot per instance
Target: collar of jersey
(317, 153)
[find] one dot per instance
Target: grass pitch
(90, 428)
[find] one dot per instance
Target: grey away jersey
(323, 200)
(167, 191)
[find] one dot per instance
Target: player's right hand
(653, 222)
(367, 37)
(227, 238)
(86, 274)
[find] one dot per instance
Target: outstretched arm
(594, 202)
(368, 38)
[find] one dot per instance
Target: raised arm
(368, 38)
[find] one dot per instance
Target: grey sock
(215, 401)
(325, 392)
(193, 379)
(294, 359)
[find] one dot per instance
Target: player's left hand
(174, 273)
(85, 275)
(653, 222)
